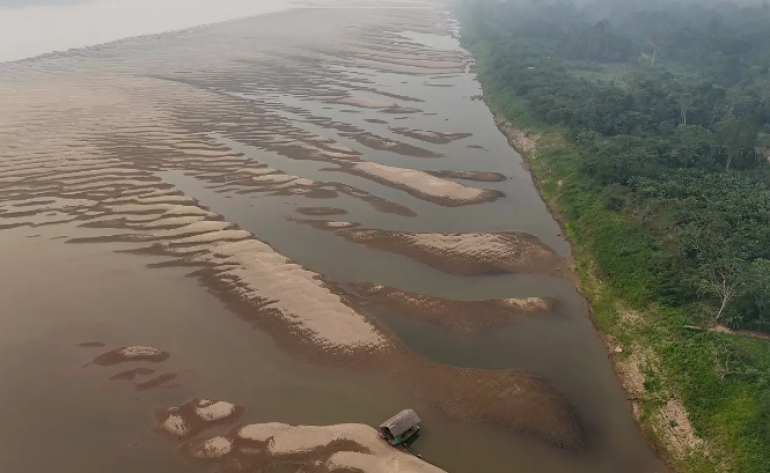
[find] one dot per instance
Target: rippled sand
(466, 254)
(253, 447)
(87, 140)
(424, 185)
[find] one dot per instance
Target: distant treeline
(669, 106)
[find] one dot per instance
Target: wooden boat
(401, 427)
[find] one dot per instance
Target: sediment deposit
(465, 254)
(423, 185)
(456, 315)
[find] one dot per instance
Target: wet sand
(125, 168)
(431, 136)
(480, 176)
(321, 211)
(457, 315)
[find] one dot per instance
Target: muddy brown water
(275, 75)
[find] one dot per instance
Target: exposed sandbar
(127, 354)
(382, 205)
(480, 176)
(466, 254)
(373, 141)
(320, 211)
(195, 416)
(423, 185)
(132, 374)
(367, 102)
(312, 449)
(435, 137)
(456, 315)
(328, 224)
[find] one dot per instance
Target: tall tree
(723, 278)
(738, 137)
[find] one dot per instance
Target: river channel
(353, 143)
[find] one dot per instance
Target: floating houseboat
(401, 427)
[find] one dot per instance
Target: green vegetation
(653, 120)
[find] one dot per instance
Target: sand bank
(466, 254)
(382, 205)
(431, 136)
(423, 185)
(195, 416)
(367, 102)
(312, 449)
(456, 315)
(320, 211)
(328, 224)
(135, 353)
(370, 140)
(480, 176)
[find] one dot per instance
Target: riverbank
(669, 429)
(689, 391)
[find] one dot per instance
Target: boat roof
(401, 422)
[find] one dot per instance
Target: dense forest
(654, 117)
(671, 104)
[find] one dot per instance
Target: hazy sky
(33, 27)
(29, 3)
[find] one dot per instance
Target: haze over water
(32, 27)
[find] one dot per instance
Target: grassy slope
(730, 412)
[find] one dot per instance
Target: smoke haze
(32, 27)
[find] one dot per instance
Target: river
(141, 180)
